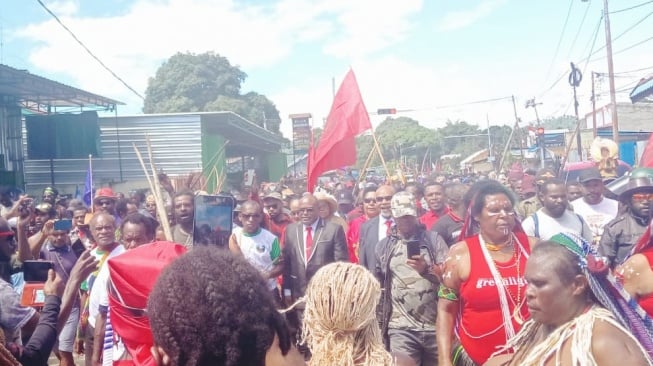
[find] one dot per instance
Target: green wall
(211, 144)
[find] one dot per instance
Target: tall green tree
(205, 82)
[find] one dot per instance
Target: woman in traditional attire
(482, 295)
(578, 316)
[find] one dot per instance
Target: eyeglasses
(383, 198)
(302, 210)
(250, 216)
(499, 211)
(369, 200)
(643, 196)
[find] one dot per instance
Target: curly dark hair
(480, 190)
(210, 307)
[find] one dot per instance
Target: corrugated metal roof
(643, 90)
(40, 95)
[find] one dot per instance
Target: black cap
(589, 174)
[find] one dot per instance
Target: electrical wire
(632, 46)
(565, 73)
(89, 51)
(582, 22)
(562, 33)
(631, 8)
(447, 106)
(619, 36)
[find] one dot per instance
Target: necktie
(309, 242)
(388, 227)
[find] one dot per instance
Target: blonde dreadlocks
(340, 324)
(6, 358)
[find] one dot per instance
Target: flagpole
(378, 149)
(90, 169)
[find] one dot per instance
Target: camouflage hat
(403, 204)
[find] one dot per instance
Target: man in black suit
(376, 229)
(309, 245)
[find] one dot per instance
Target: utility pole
(608, 48)
(531, 103)
(594, 133)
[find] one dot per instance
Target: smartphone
(78, 247)
(36, 271)
(213, 220)
(412, 248)
(63, 225)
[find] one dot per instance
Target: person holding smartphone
(57, 249)
(406, 266)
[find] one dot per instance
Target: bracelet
(447, 293)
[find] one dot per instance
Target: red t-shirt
(646, 302)
(479, 326)
(353, 237)
(430, 218)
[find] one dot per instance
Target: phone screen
(78, 247)
(36, 271)
(63, 225)
(213, 220)
(412, 248)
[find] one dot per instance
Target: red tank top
(646, 302)
(479, 326)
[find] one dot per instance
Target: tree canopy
(205, 82)
(404, 140)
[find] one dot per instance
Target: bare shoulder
(637, 262)
(611, 346)
(456, 265)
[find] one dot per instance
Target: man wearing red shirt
(434, 195)
(370, 211)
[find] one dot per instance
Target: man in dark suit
(309, 245)
(376, 229)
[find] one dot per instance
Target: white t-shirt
(548, 226)
(261, 250)
(596, 216)
(99, 292)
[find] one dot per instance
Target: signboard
(554, 139)
(301, 134)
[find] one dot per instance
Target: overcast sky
(410, 54)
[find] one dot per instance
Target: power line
(631, 8)
(592, 47)
(562, 33)
(633, 46)
(89, 51)
(564, 73)
(582, 22)
(619, 36)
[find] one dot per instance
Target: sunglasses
(643, 196)
(250, 216)
(104, 203)
(383, 198)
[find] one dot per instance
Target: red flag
(647, 156)
(347, 118)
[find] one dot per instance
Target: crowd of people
(519, 268)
